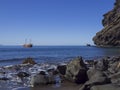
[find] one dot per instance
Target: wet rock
(29, 61)
(42, 73)
(4, 78)
(62, 69)
(76, 71)
(52, 72)
(23, 74)
(2, 72)
(42, 79)
(12, 67)
(39, 80)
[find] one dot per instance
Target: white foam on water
(14, 81)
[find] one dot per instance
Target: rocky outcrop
(110, 34)
(101, 78)
(42, 79)
(28, 60)
(76, 71)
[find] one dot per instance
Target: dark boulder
(39, 80)
(76, 71)
(4, 78)
(23, 74)
(62, 69)
(43, 78)
(42, 73)
(96, 77)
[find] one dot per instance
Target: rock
(42, 73)
(97, 77)
(110, 34)
(114, 67)
(76, 71)
(42, 79)
(91, 72)
(89, 63)
(4, 78)
(29, 61)
(105, 87)
(23, 74)
(2, 72)
(115, 78)
(52, 71)
(55, 72)
(62, 69)
(101, 64)
(39, 80)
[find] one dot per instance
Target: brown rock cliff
(110, 34)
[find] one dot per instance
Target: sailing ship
(27, 45)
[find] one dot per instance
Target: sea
(52, 54)
(47, 57)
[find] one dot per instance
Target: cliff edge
(110, 34)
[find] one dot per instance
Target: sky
(51, 22)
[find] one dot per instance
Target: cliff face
(110, 34)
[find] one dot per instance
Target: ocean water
(11, 58)
(52, 54)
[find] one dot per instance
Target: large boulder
(76, 71)
(101, 64)
(44, 78)
(96, 77)
(61, 69)
(115, 78)
(114, 67)
(110, 34)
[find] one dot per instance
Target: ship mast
(25, 41)
(30, 41)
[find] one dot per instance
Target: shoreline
(22, 76)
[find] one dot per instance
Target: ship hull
(27, 45)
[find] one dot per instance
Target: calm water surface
(52, 54)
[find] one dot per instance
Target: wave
(14, 59)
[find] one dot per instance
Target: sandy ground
(63, 86)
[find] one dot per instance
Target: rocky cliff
(110, 34)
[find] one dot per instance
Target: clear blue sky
(51, 22)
